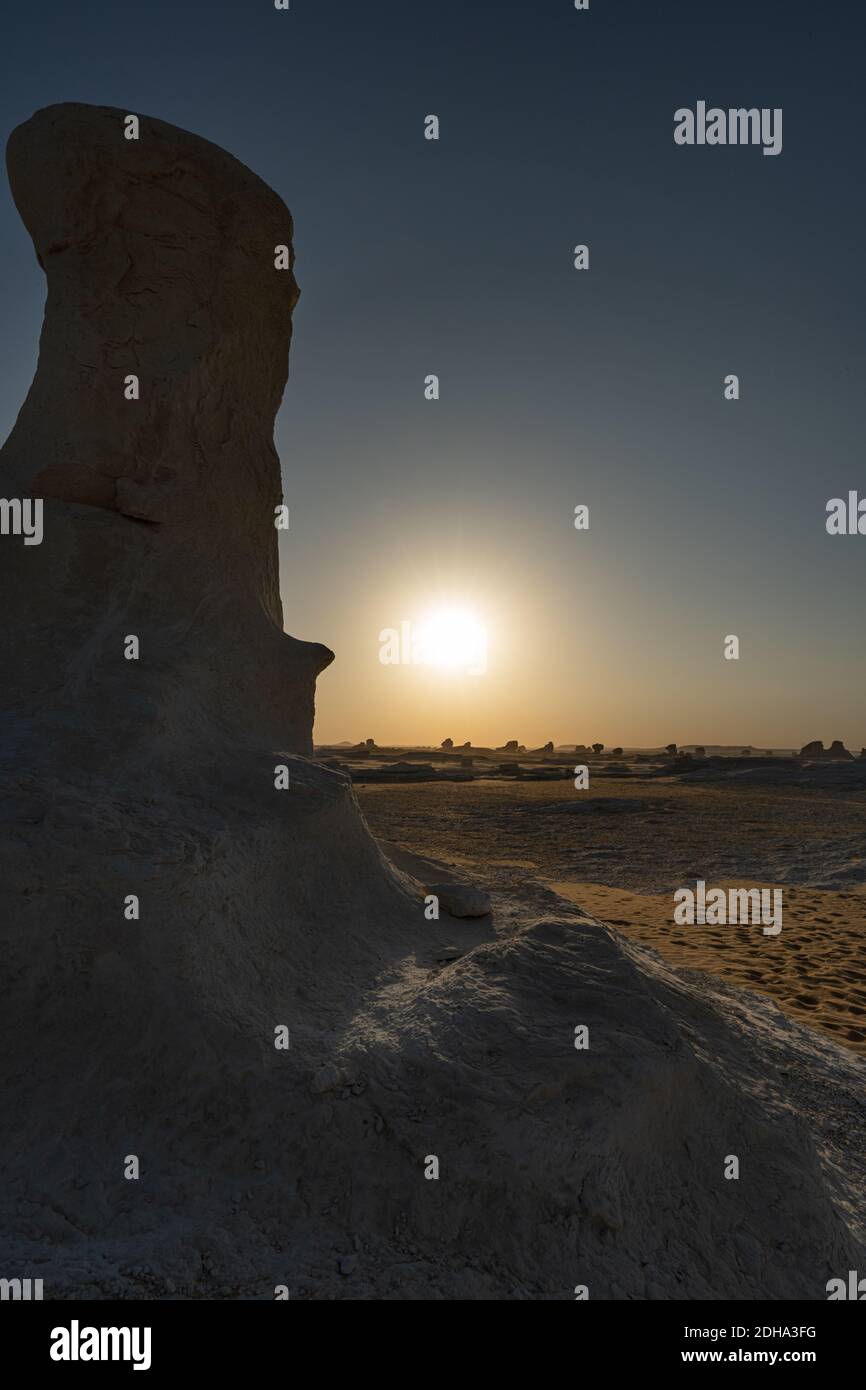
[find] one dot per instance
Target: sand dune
(620, 852)
(815, 969)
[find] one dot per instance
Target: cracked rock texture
(263, 909)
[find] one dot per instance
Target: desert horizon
(710, 748)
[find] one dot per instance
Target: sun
(454, 639)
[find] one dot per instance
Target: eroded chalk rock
(160, 497)
(816, 749)
(461, 899)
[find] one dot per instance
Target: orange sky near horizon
(634, 674)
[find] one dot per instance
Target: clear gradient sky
(558, 387)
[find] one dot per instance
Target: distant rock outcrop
(816, 749)
(838, 750)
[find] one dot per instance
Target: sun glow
(454, 639)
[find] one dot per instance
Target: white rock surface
(461, 899)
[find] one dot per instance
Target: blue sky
(557, 387)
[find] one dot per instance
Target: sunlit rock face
(159, 254)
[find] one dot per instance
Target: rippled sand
(621, 850)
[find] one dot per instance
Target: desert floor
(620, 850)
